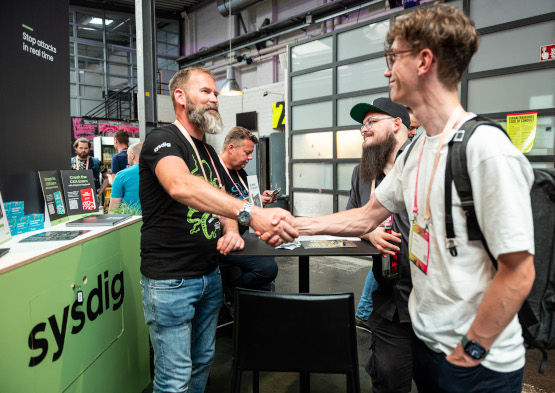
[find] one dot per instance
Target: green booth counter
(72, 318)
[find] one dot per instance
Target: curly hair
(446, 31)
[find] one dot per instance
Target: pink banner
(84, 128)
(109, 128)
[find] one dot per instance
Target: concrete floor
(336, 275)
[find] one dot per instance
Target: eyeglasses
(390, 56)
(371, 120)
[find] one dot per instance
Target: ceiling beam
(121, 8)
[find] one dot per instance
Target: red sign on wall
(547, 52)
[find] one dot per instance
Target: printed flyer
(79, 191)
(521, 128)
(51, 185)
(254, 190)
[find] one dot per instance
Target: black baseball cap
(381, 105)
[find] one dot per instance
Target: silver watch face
(244, 217)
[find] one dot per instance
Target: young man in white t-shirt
(463, 311)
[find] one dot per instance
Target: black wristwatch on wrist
(473, 349)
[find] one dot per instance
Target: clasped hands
(274, 226)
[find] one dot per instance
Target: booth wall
(35, 96)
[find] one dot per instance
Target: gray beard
(202, 118)
(374, 158)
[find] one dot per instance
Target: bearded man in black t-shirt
(183, 230)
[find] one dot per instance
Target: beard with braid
(374, 157)
(203, 118)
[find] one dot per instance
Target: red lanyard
(78, 161)
(448, 127)
(233, 181)
(185, 133)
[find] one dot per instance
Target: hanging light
(230, 86)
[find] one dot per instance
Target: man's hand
(460, 358)
(231, 241)
(273, 225)
(268, 196)
(382, 240)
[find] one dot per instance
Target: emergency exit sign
(547, 52)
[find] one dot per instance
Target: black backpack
(537, 313)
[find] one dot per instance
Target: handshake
(275, 226)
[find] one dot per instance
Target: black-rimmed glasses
(390, 56)
(371, 120)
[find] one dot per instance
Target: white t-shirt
(444, 302)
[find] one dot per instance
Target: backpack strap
(457, 171)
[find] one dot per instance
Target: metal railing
(120, 105)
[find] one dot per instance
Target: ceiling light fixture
(230, 86)
(98, 21)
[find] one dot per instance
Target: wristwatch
(244, 216)
(473, 349)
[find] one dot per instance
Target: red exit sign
(547, 52)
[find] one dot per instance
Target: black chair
(294, 333)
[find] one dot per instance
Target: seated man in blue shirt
(125, 190)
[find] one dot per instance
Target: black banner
(34, 67)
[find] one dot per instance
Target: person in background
(255, 272)
(414, 124)
(125, 188)
(119, 160)
(83, 161)
(384, 301)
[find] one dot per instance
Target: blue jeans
(434, 374)
(256, 272)
(182, 315)
(365, 304)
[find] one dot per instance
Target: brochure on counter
(328, 243)
(99, 220)
(53, 236)
(79, 191)
(52, 191)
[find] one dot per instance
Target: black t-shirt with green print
(176, 241)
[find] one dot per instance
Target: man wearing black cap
(385, 132)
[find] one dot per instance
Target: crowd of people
(447, 321)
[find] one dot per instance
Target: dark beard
(374, 158)
(204, 119)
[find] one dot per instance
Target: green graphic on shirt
(200, 222)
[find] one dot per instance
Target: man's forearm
(200, 195)
(114, 204)
(504, 297)
(353, 222)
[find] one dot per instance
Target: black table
(254, 247)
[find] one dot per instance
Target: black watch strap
(473, 349)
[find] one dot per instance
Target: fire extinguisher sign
(547, 52)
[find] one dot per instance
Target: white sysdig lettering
(161, 145)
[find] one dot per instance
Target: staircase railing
(118, 105)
